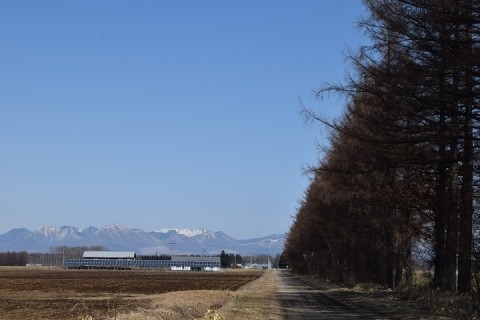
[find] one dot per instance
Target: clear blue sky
(164, 114)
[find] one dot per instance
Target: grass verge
(255, 300)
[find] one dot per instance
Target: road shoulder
(256, 300)
(326, 301)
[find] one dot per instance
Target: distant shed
(109, 255)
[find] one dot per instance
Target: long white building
(127, 260)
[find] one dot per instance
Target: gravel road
(301, 301)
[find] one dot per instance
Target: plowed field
(31, 293)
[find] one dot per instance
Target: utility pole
(171, 246)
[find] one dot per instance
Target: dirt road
(301, 301)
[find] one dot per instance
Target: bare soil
(38, 293)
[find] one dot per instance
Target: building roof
(108, 255)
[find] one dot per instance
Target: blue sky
(164, 114)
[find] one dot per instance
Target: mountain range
(118, 238)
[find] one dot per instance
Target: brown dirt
(37, 293)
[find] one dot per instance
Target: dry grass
(256, 300)
(192, 304)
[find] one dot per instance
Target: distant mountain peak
(114, 227)
(186, 232)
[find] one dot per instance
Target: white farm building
(128, 260)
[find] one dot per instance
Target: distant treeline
(55, 257)
(13, 258)
(229, 260)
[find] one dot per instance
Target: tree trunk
(440, 229)
(466, 214)
(451, 244)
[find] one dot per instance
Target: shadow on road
(301, 301)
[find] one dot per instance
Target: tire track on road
(300, 301)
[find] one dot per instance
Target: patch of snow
(163, 230)
(191, 232)
(186, 232)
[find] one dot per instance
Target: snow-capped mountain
(117, 237)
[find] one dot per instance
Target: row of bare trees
(55, 257)
(402, 164)
(11, 258)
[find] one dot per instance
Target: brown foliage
(401, 162)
